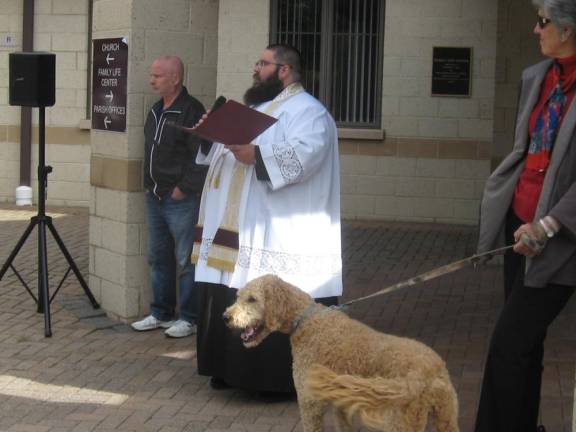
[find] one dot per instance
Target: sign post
(109, 84)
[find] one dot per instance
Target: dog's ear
(277, 304)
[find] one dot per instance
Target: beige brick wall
(389, 186)
(412, 189)
(9, 168)
(412, 30)
(118, 267)
(243, 34)
(428, 186)
(61, 27)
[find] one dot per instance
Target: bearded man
(270, 206)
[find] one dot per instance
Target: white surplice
(288, 226)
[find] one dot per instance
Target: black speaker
(32, 79)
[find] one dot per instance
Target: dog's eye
(251, 299)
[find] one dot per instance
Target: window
(341, 42)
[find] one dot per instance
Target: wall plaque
(451, 71)
(109, 84)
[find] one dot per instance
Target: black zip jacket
(170, 153)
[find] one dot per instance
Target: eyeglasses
(263, 63)
(542, 21)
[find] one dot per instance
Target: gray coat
(557, 262)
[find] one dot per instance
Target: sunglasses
(542, 22)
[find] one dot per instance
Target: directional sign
(109, 84)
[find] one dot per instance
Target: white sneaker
(151, 323)
(180, 329)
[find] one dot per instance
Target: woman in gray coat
(530, 201)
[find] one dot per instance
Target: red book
(233, 123)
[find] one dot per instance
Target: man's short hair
(288, 55)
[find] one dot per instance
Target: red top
(529, 185)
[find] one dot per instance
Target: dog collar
(307, 312)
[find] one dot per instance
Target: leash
(432, 274)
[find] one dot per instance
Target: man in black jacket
(173, 185)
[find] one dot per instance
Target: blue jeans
(170, 239)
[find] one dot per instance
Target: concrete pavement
(95, 374)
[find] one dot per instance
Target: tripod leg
(72, 264)
(43, 294)
(19, 245)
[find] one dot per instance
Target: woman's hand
(531, 238)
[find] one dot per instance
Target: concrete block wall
(118, 233)
(433, 162)
(118, 274)
(9, 167)
(399, 177)
(243, 34)
(412, 189)
(10, 25)
(432, 165)
(69, 182)
(61, 27)
(412, 29)
(187, 28)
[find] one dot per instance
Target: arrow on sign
(109, 59)
(107, 121)
(110, 96)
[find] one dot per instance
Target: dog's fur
(386, 382)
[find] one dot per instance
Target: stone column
(187, 28)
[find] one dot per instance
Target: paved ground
(97, 375)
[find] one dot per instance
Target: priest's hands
(204, 117)
(191, 129)
(245, 153)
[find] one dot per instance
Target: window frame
(325, 77)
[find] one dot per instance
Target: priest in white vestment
(271, 206)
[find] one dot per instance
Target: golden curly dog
(387, 383)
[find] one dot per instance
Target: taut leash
(432, 274)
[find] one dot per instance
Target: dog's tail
(366, 398)
(370, 399)
(444, 404)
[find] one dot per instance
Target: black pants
(510, 396)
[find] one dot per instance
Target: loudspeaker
(32, 79)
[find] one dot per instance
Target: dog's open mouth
(250, 333)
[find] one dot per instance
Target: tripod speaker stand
(32, 83)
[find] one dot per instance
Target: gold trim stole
(223, 251)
